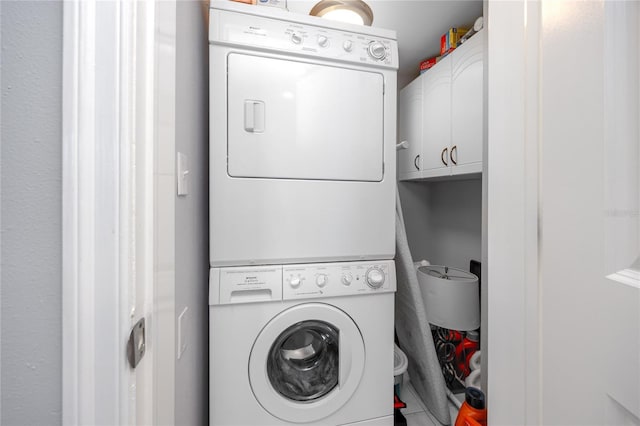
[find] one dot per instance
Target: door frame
(115, 56)
(510, 306)
(92, 205)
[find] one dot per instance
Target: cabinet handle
(415, 162)
(454, 148)
(442, 156)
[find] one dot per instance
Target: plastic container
(473, 380)
(473, 411)
(400, 364)
(465, 350)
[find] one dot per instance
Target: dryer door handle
(254, 116)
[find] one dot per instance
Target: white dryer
(302, 138)
(302, 344)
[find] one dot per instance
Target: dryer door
(306, 362)
(295, 120)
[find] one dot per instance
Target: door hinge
(136, 346)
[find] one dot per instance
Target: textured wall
(444, 220)
(192, 219)
(31, 190)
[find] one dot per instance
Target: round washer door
(306, 362)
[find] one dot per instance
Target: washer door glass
(306, 363)
(303, 363)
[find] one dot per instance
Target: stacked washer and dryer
(302, 219)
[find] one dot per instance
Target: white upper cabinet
(448, 115)
(436, 130)
(410, 130)
(466, 101)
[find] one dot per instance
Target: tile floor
(416, 413)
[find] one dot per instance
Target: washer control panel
(254, 284)
(337, 279)
(311, 40)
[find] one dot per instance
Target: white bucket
(400, 364)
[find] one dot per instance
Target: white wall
(444, 220)
(192, 227)
(31, 189)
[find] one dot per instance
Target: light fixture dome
(351, 11)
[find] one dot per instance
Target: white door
(296, 120)
(590, 189)
(564, 213)
(314, 358)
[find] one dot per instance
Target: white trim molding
(118, 123)
(96, 194)
(512, 252)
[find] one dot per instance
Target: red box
(428, 63)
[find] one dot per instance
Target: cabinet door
(410, 130)
(436, 116)
(466, 102)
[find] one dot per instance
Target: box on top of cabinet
(451, 39)
(428, 63)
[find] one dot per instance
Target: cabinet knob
(415, 162)
(443, 156)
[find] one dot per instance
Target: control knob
(294, 282)
(321, 280)
(323, 41)
(347, 45)
(377, 50)
(296, 38)
(347, 279)
(375, 277)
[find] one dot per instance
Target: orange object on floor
(473, 411)
(397, 403)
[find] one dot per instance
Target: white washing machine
(302, 138)
(302, 344)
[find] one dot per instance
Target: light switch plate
(183, 326)
(183, 174)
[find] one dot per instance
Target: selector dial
(321, 280)
(323, 41)
(375, 277)
(294, 282)
(296, 38)
(377, 51)
(347, 279)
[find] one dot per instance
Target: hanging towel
(414, 332)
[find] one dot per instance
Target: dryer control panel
(310, 36)
(253, 284)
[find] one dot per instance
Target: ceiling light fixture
(350, 11)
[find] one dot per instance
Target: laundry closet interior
(319, 131)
